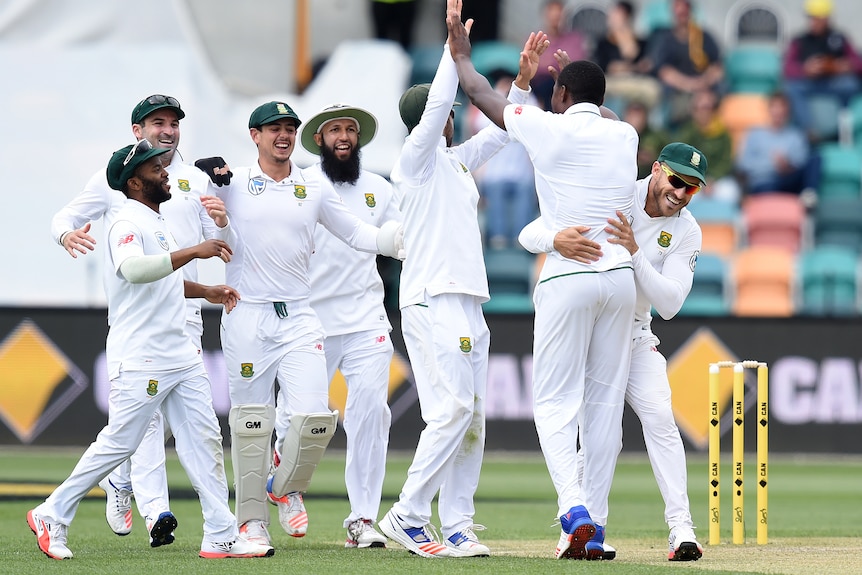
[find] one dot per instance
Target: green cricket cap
(156, 102)
(125, 161)
(412, 104)
(685, 160)
(270, 112)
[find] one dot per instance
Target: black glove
(209, 166)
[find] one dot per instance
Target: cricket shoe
(50, 537)
(595, 548)
(577, 529)
(291, 511)
(254, 531)
(118, 509)
(418, 540)
(362, 534)
(610, 553)
(682, 545)
(161, 529)
(465, 543)
(238, 548)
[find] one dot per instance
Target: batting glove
(209, 166)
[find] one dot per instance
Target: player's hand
(563, 60)
(572, 244)
(222, 294)
(213, 249)
(459, 34)
(215, 209)
(79, 241)
(621, 232)
(528, 64)
(217, 169)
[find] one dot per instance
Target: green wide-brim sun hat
(366, 120)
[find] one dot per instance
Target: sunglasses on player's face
(678, 183)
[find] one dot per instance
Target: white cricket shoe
(291, 511)
(682, 545)
(465, 543)
(238, 548)
(118, 508)
(254, 531)
(50, 537)
(418, 540)
(362, 534)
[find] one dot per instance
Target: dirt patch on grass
(782, 556)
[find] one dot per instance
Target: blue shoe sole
(162, 530)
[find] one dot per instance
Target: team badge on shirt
(466, 345)
(299, 192)
(184, 185)
(370, 201)
(664, 239)
(256, 186)
(246, 370)
(163, 241)
(152, 387)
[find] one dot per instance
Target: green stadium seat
(841, 171)
(825, 116)
(838, 222)
(510, 281)
(490, 55)
(425, 60)
(828, 282)
(708, 290)
(753, 69)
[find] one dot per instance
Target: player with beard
(347, 294)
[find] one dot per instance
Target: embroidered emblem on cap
(695, 159)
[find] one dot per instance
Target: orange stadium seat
(763, 279)
(740, 112)
(774, 219)
(719, 222)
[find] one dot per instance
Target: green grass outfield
(815, 523)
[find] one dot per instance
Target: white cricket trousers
(144, 472)
(184, 397)
(364, 359)
(581, 357)
(447, 341)
(649, 395)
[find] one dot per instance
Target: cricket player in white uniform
(664, 240)
(443, 286)
(152, 362)
(191, 213)
(274, 334)
(347, 295)
(585, 168)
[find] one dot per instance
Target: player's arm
(70, 226)
(569, 242)
(387, 240)
(139, 268)
(219, 294)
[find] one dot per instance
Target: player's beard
(340, 171)
(154, 192)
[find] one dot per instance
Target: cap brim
(367, 126)
(685, 170)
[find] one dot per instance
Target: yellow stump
(762, 453)
(714, 457)
(738, 535)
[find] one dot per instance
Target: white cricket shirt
(439, 198)
(346, 288)
(148, 327)
(585, 169)
(274, 224)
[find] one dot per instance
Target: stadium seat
(841, 171)
(491, 55)
(828, 282)
(763, 279)
(425, 60)
(838, 222)
(708, 295)
(825, 117)
(740, 112)
(591, 20)
(753, 69)
(510, 280)
(719, 222)
(655, 14)
(774, 219)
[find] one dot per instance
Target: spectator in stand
(686, 59)
(622, 55)
(650, 140)
(506, 180)
(821, 60)
(707, 132)
(777, 158)
(562, 37)
(393, 20)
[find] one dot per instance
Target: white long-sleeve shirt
(273, 225)
(189, 221)
(664, 263)
(439, 198)
(346, 288)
